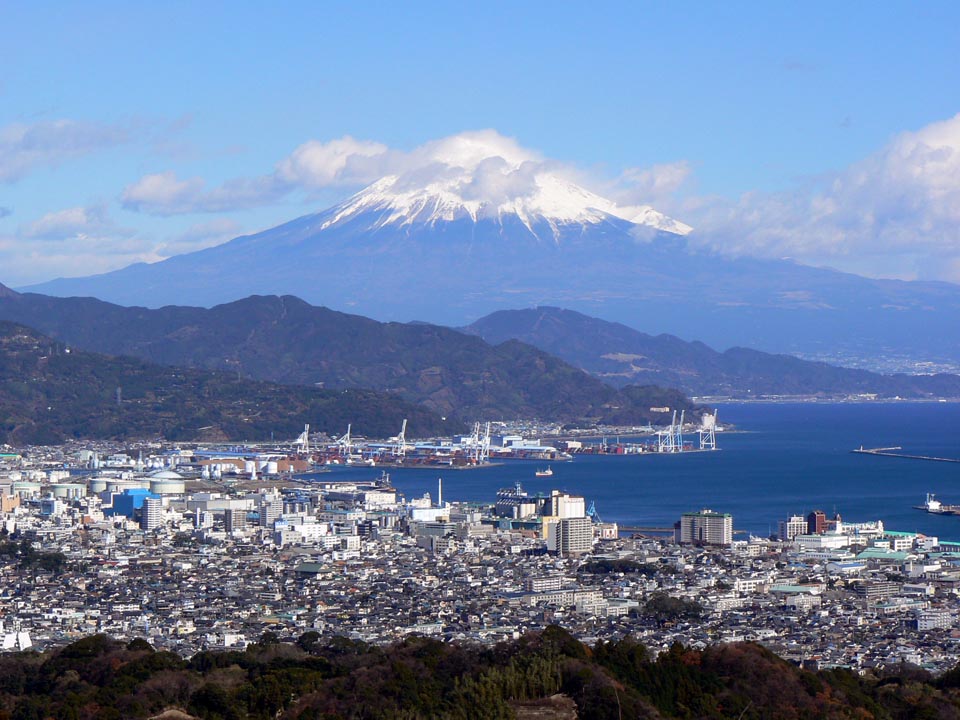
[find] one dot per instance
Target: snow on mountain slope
(468, 178)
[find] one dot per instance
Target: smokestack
(440, 492)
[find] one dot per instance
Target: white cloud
(640, 186)
(72, 241)
(24, 148)
(895, 213)
(165, 194)
(90, 224)
(338, 162)
(342, 163)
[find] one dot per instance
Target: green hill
(49, 393)
(285, 340)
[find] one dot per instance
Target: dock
(895, 452)
(646, 530)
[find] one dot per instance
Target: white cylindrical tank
(68, 490)
(271, 468)
(167, 487)
(118, 486)
(26, 489)
(98, 485)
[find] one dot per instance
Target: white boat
(544, 473)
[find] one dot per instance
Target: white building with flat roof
(705, 527)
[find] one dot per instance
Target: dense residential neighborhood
(155, 545)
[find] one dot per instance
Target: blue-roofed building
(128, 502)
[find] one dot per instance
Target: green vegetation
(605, 567)
(49, 393)
(29, 558)
(286, 340)
(664, 608)
(97, 679)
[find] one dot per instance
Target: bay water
(783, 459)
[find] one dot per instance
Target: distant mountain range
(50, 393)
(285, 340)
(476, 234)
(621, 355)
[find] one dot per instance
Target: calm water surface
(787, 458)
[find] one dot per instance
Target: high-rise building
(790, 528)
(570, 536)
(151, 514)
(271, 508)
(705, 527)
(816, 522)
(235, 519)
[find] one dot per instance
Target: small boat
(544, 473)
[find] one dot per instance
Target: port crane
(479, 445)
(592, 512)
(303, 441)
(708, 431)
(671, 439)
(400, 450)
(344, 443)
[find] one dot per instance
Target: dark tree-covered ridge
(97, 678)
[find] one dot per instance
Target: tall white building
(570, 536)
(705, 527)
(795, 525)
(271, 508)
(564, 505)
(151, 514)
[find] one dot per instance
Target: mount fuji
(471, 230)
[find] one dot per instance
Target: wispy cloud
(166, 194)
(75, 223)
(897, 211)
(27, 147)
(72, 241)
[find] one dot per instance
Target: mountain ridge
(621, 355)
(286, 340)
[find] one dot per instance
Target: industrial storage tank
(118, 486)
(68, 490)
(168, 487)
(97, 485)
(167, 482)
(271, 468)
(26, 489)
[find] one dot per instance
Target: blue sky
(759, 110)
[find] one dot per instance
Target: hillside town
(192, 550)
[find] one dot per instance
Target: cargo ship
(934, 506)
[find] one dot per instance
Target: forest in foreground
(546, 674)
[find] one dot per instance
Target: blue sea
(783, 459)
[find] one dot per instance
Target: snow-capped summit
(484, 176)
